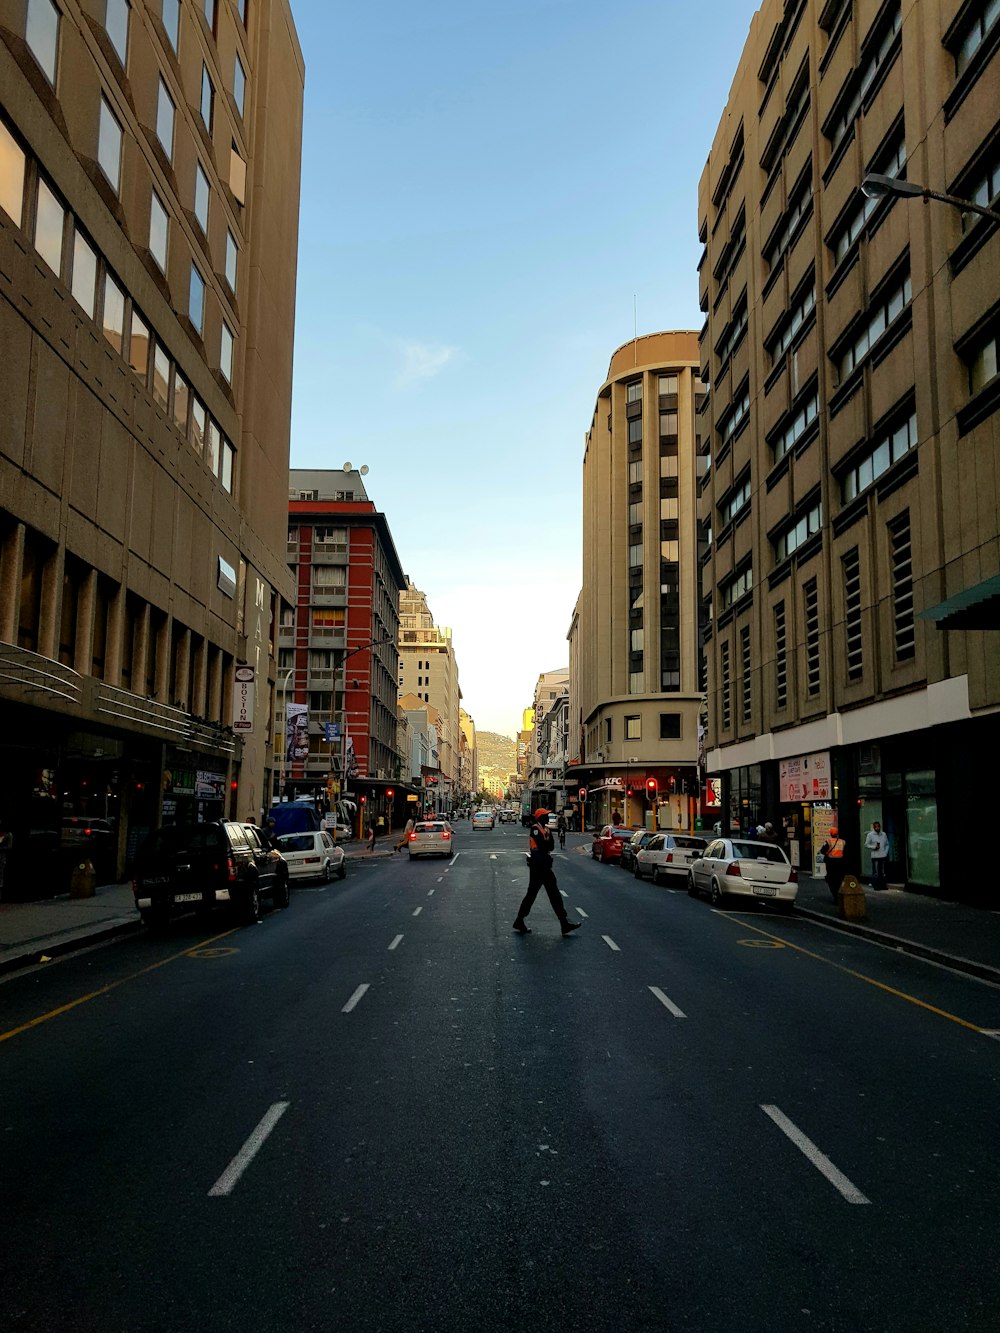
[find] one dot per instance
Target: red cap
(539, 813)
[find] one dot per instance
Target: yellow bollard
(83, 880)
(851, 900)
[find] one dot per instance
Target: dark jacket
(541, 844)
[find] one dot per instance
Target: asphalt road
(383, 1110)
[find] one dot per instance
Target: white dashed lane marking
(580, 912)
(355, 998)
(610, 943)
(395, 942)
(819, 1160)
(227, 1181)
(417, 911)
(667, 1004)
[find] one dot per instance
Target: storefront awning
(977, 607)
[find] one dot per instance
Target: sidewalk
(33, 931)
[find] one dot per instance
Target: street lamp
(875, 186)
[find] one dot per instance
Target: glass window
(226, 353)
(668, 423)
(182, 396)
(201, 196)
(633, 728)
(84, 284)
(196, 301)
(635, 472)
(635, 430)
(668, 384)
(159, 225)
(114, 313)
(983, 364)
(171, 14)
(161, 376)
(49, 218)
(228, 462)
(635, 555)
(634, 393)
(198, 419)
(207, 98)
(232, 255)
(212, 441)
(239, 85)
(165, 119)
(116, 23)
(11, 177)
(42, 35)
(109, 145)
(138, 346)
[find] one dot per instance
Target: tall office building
(634, 639)
(149, 188)
(428, 669)
(850, 340)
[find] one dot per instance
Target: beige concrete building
(468, 756)
(635, 660)
(428, 669)
(149, 186)
(852, 429)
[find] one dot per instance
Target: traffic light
(651, 788)
(389, 793)
(364, 799)
(673, 783)
(628, 791)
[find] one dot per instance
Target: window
(805, 526)
(874, 57)
(794, 429)
(207, 98)
(633, 392)
(607, 731)
(635, 514)
(902, 587)
(735, 416)
(982, 363)
(159, 230)
(736, 587)
(161, 376)
(109, 145)
(670, 726)
(198, 420)
(746, 690)
(196, 300)
(879, 318)
(171, 14)
(201, 196)
(668, 424)
(982, 24)
(228, 465)
(667, 384)
(232, 255)
(984, 188)
(851, 573)
(802, 308)
(113, 317)
(636, 682)
(636, 640)
(779, 240)
(851, 228)
(635, 472)
(635, 431)
(633, 728)
(50, 218)
(116, 24)
(336, 537)
(165, 119)
(84, 280)
(11, 177)
(888, 448)
(735, 500)
(210, 7)
(239, 86)
(42, 35)
(780, 658)
(226, 353)
(810, 595)
(138, 346)
(182, 397)
(213, 443)
(727, 689)
(733, 333)
(635, 555)
(333, 577)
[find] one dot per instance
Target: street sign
(331, 731)
(244, 686)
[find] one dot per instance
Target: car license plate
(187, 897)
(765, 890)
(155, 879)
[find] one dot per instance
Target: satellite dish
(364, 469)
(347, 467)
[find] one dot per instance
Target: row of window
(29, 200)
(796, 426)
(892, 164)
(665, 384)
(889, 448)
(805, 526)
(802, 308)
(670, 727)
(873, 60)
(880, 317)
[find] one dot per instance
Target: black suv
(201, 866)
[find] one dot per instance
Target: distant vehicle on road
(667, 856)
(431, 837)
(483, 819)
(607, 845)
(740, 868)
(640, 838)
(312, 855)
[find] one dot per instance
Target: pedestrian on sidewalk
(877, 842)
(405, 836)
(832, 852)
(541, 876)
(371, 837)
(561, 829)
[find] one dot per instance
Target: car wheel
(342, 870)
(327, 872)
(692, 886)
(281, 896)
(636, 872)
(717, 896)
(250, 907)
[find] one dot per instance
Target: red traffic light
(390, 793)
(628, 791)
(363, 799)
(651, 786)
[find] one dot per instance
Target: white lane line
(227, 1181)
(667, 1004)
(493, 856)
(395, 941)
(455, 858)
(439, 879)
(610, 943)
(355, 998)
(564, 893)
(430, 893)
(417, 911)
(819, 1160)
(580, 912)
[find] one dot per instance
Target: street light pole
(875, 186)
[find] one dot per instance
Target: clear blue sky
(484, 190)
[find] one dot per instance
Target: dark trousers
(878, 872)
(541, 876)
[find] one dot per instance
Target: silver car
(430, 837)
(666, 856)
(738, 868)
(312, 855)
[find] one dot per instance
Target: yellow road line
(112, 985)
(902, 995)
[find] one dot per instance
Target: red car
(608, 844)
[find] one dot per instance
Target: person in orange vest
(541, 876)
(832, 853)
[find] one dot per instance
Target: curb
(968, 965)
(13, 962)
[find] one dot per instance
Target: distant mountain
(497, 752)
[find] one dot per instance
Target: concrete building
(852, 430)
(149, 194)
(469, 765)
(635, 659)
(427, 668)
(338, 659)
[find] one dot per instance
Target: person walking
(371, 837)
(541, 876)
(561, 829)
(832, 853)
(877, 842)
(405, 838)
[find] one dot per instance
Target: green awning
(977, 607)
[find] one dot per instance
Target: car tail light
(446, 835)
(733, 868)
(413, 837)
(669, 856)
(793, 876)
(310, 860)
(231, 868)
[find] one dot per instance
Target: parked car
(482, 819)
(640, 838)
(667, 856)
(312, 856)
(740, 868)
(607, 845)
(198, 867)
(77, 830)
(431, 837)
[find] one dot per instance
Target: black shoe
(521, 928)
(569, 926)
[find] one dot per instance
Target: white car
(738, 868)
(312, 855)
(482, 819)
(667, 855)
(430, 837)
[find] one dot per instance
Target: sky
(488, 193)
